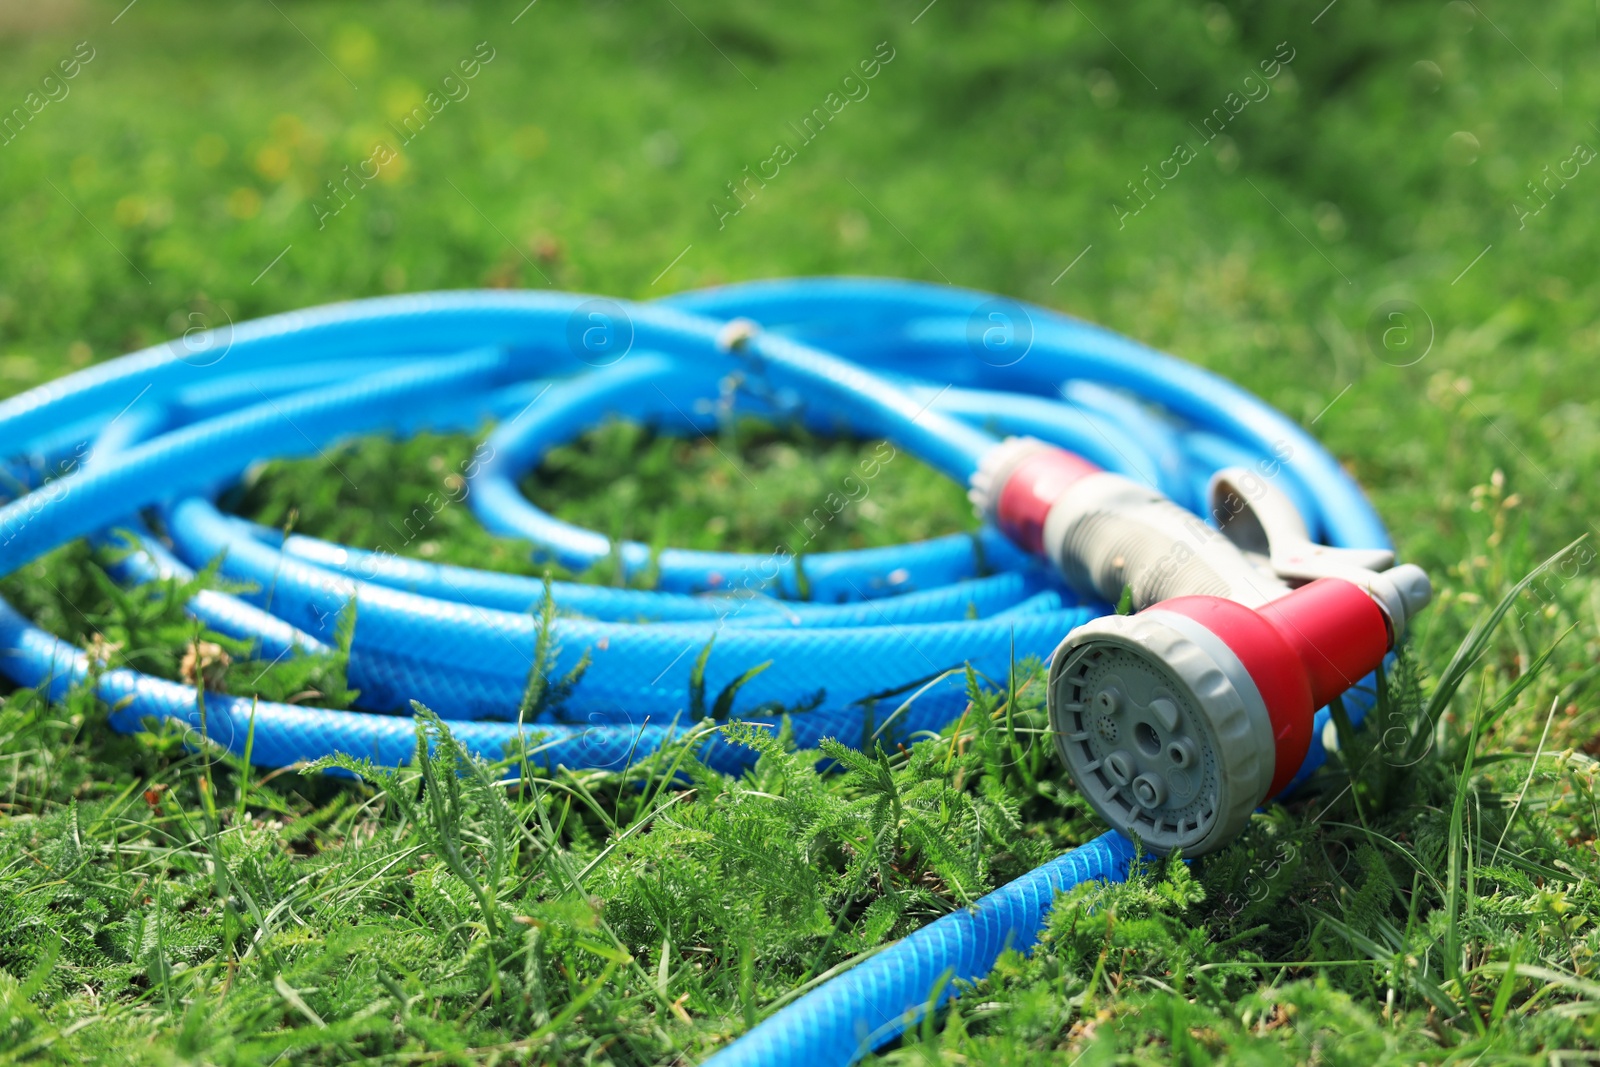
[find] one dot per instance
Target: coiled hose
(148, 441)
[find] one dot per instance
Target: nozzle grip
(1107, 533)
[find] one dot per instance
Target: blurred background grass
(176, 182)
(174, 186)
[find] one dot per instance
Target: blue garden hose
(146, 442)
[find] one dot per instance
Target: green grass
(1431, 896)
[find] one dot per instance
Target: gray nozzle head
(1161, 729)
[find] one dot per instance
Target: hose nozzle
(1179, 721)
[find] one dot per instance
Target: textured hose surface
(875, 648)
(872, 1002)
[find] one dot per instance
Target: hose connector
(1018, 481)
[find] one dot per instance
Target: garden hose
(1089, 455)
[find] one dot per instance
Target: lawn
(1382, 221)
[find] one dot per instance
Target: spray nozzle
(1178, 721)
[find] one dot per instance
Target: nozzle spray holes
(1106, 703)
(1150, 790)
(1149, 741)
(1182, 753)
